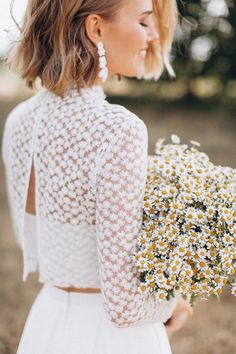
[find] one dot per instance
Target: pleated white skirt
(62, 322)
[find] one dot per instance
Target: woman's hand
(181, 313)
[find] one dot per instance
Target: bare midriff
(81, 290)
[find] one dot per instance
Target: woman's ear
(93, 24)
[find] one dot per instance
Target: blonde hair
(165, 16)
(53, 44)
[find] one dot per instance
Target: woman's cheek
(140, 38)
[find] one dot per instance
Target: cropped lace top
(90, 162)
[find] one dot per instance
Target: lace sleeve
(121, 179)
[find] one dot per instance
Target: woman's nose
(153, 34)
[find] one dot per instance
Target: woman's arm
(121, 180)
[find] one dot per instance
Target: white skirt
(62, 322)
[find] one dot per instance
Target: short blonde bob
(53, 44)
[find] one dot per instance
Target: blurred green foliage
(206, 48)
(207, 45)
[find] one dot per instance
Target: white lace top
(90, 161)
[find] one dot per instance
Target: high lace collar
(93, 93)
(96, 92)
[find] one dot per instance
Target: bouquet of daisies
(188, 238)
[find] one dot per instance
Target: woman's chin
(137, 70)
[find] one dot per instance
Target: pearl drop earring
(103, 73)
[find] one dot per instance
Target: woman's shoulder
(24, 107)
(119, 115)
(119, 127)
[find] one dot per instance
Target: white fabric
(90, 160)
(75, 323)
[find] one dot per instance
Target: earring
(103, 73)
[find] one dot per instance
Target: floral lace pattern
(90, 161)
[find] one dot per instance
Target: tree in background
(206, 45)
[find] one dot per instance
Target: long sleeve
(120, 186)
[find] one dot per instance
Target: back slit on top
(30, 209)
(30, 203)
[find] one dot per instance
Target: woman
(75, 171)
